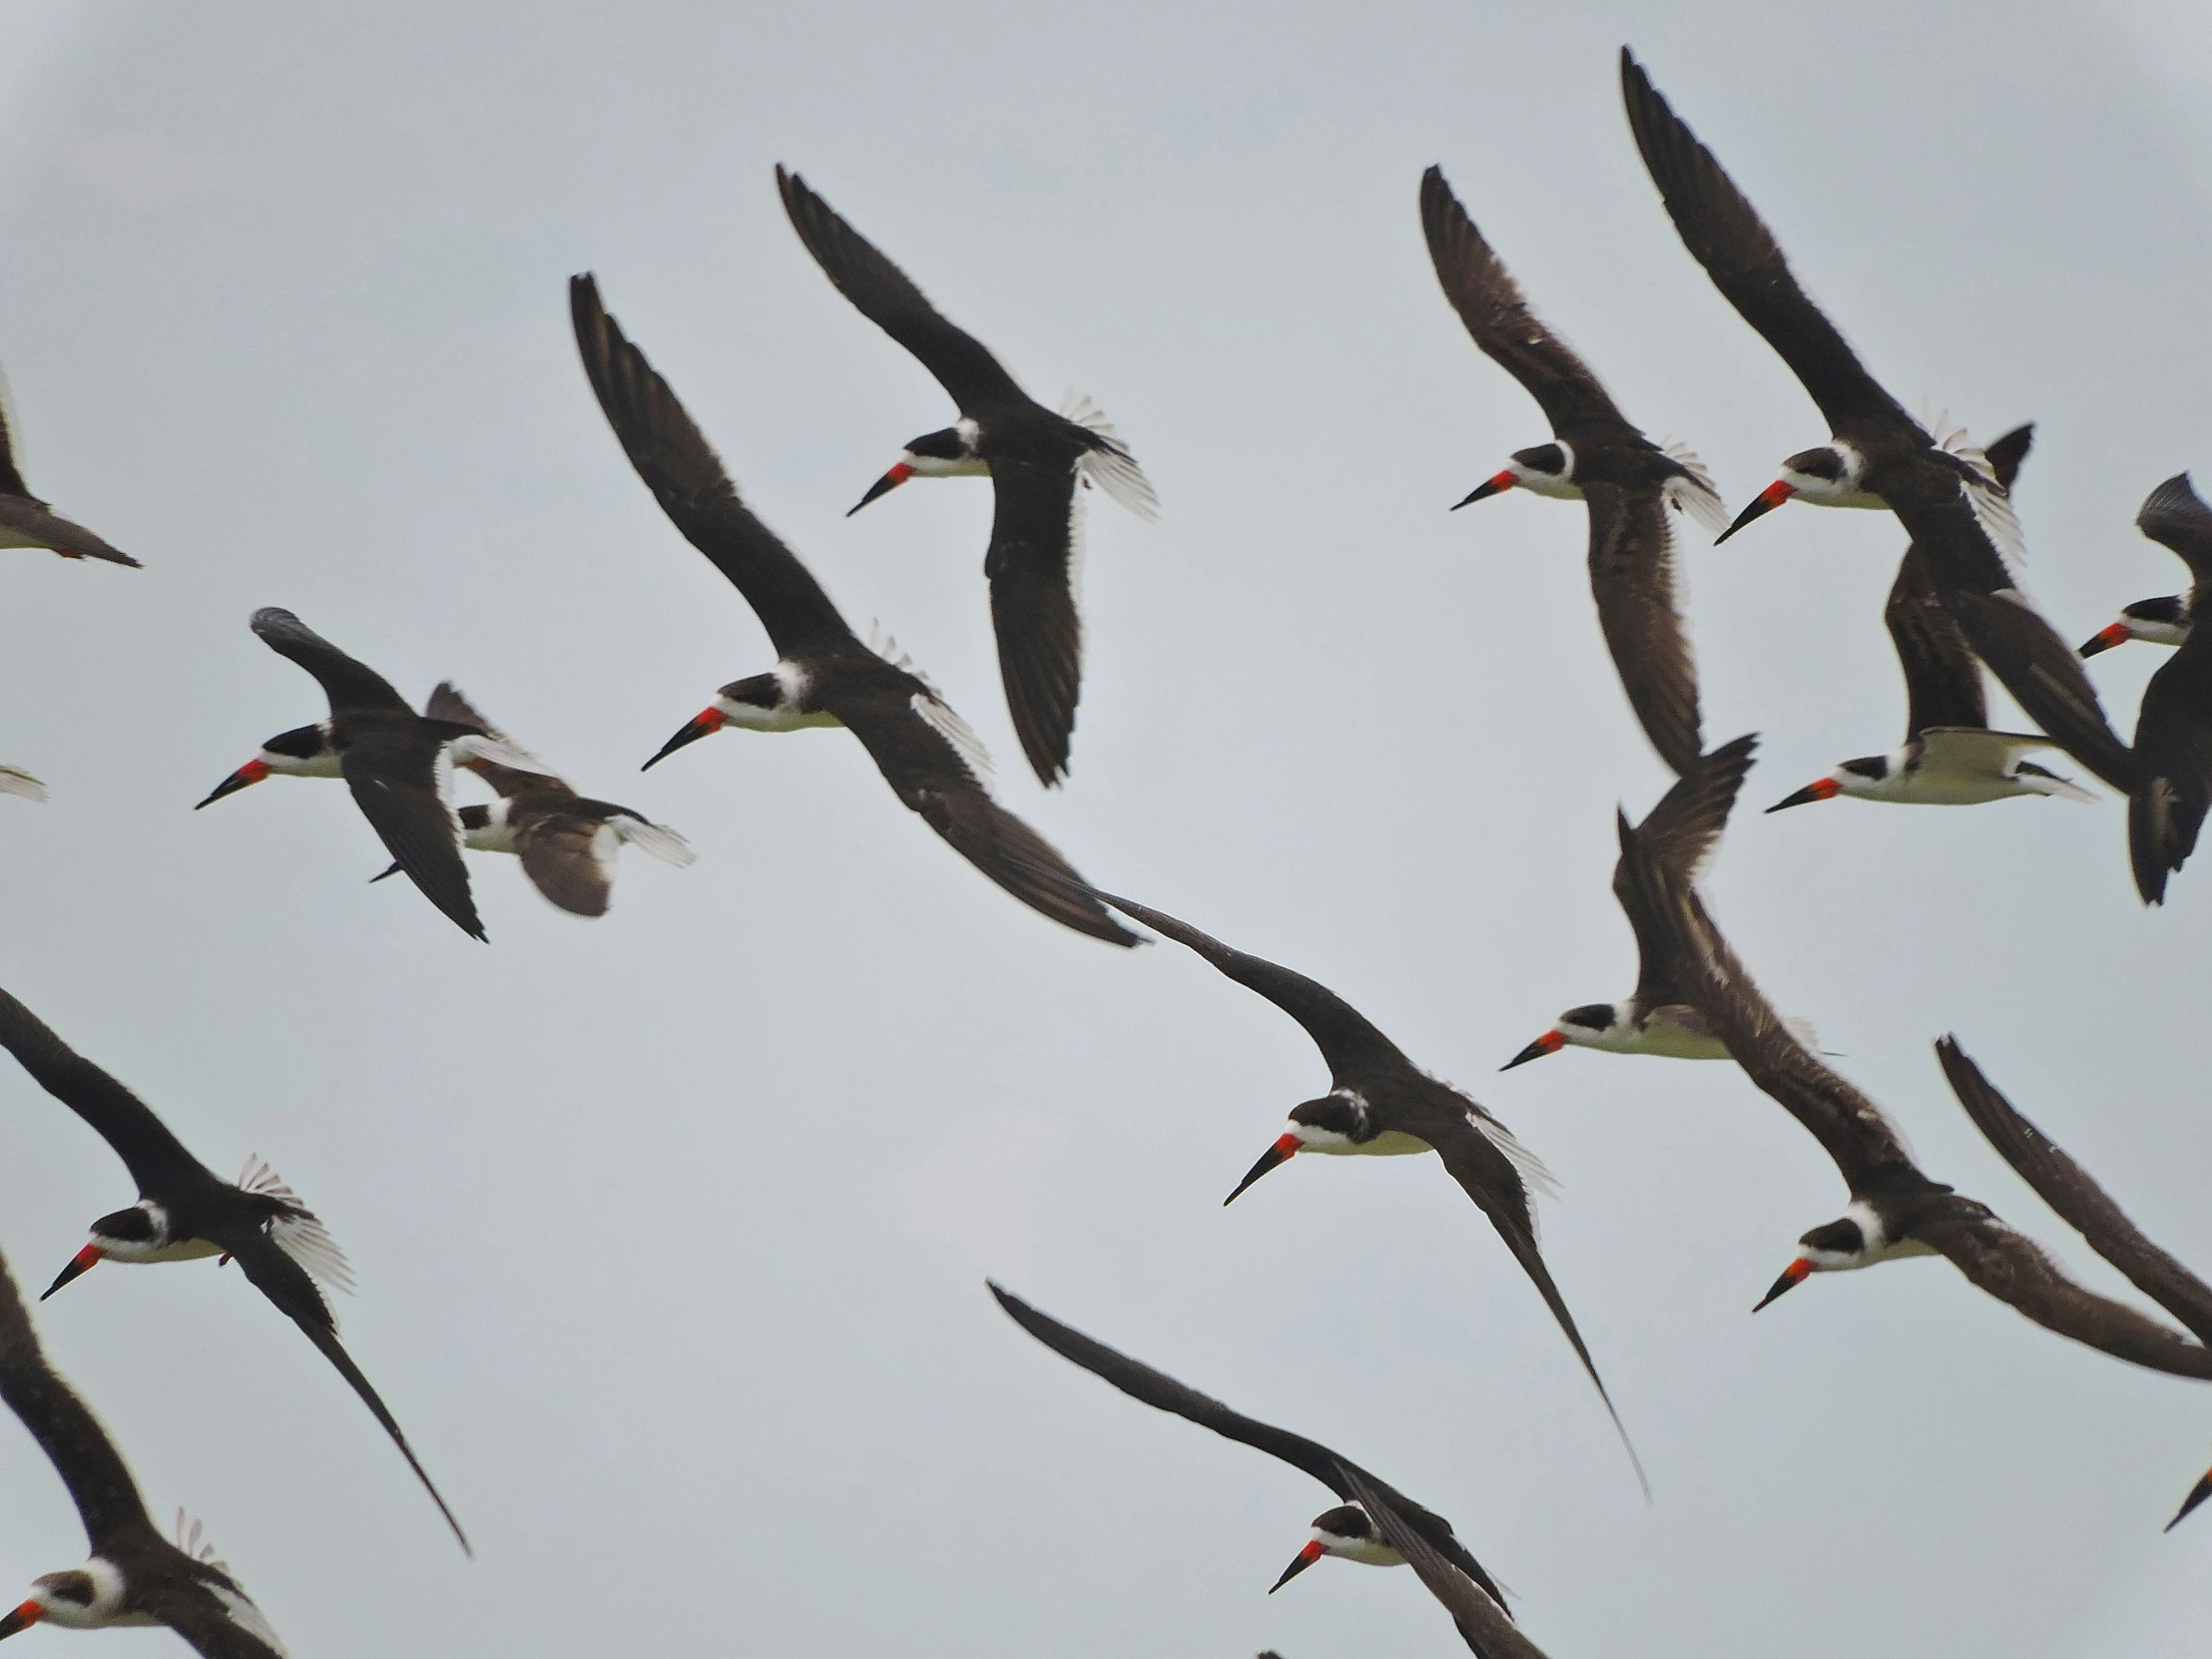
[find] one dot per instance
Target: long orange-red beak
(2104, 639)
(1283, 1149)
(704, 724)
(1825, 788)
(1762, 504)
(890, 480)
(1483, 491)
(1792, 1276)
(22, 1618)
(1549, 1043)
(1298, 1563)
(252, 772)
(80, 1263)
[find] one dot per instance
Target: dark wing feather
(71, 1436)
(1676, 837)
(688, 479)
(884, 295)
(2040, 671)
(927, 774)
(2173, 749)
(1349, 1044)
(287, 1283)
(2174, 516)
(2005, 453)
(350, 685)
(447, 704)
(1041, 638)
(2076, 1198)
(11, 478)
(1473, 1604)
(1724, 234)
(156, 1158)
(1488, 1177)
(1163, 1392)
(393, 772)
(1632, 579)
(197, 1616)
(1490, 302)
(1850, 1127)
(559, 853)
(1942, 678)
(2012, 1268)
(40, 527)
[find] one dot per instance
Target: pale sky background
(671, 1228)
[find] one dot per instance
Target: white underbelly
(1391, 1143)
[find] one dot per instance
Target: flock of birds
(1956, 610)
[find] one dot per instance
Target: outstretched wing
(393, 772)
(1676, 838)
(350, 685)
(1349, 1044)
(156, 1158)
(1632, 577)
(1031, 565)
(1472, 1601)
(688, 479)
(1943, 678)
(448, 705)
(884, 295)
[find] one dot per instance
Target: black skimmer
(824, 675)
(1035, 460)
(1381, 1104)
(26, 521)
(185, 1211)
(1680, 834)
(1947, 498)
(398, 763)
(133, 1575)
(567, 843)
(1596, 457)
(1484, 1625)
(2163, 620)
(1346, 1531)
(2173, 731)
(1949, 757)
(1895, 1210)
(2085, 1206)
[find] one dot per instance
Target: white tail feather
(15, 780)
(1113, 469)
(500, 752)
(656, 840)
(1696, 494)
(300, 1235)
(194, 1543)
(929, 702)
(1992, 507)
(1530, 1166)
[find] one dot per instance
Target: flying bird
(1895, 1209)
(1036, 461)
(134, 1576)
(15, 780)
(1629, 483)
(1678, 834)
(1480, 1616)
(26, 521)
(1949, 757)
(1381, 1104)
(2164, 621)
(567, 843)
(824, 675)
(1346, 1531)
(185, 1211)
(398, 764)
(2085, 1206)
(1948, 499)
(2173, 731)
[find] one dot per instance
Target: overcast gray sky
(671, 1228)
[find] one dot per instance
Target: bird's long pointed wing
(1632, 577)
(2037, 667)
(688, 479)
(2175, 516)
(394, 777)
(1163, 1392)
(1490, 302)
(348, 684)
(446, 704)
(1477, 1610)
(1676, 840)
(1031, 567)
(156, 1158)
(99, 1484)
(1725, 235)
(2074, 1195)
(1348, 1042)
(288, 1285)
(1942, 677)
(886, 298)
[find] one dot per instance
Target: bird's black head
(1824, 463)
(1346, 1521)
(1873, 767)
(475, 816)
(1837, 1237)
(1346, 1117)
(760, 691)
(302, 742)
(132, 1226)
(1546, 459)
(946, 444)
(2172, 610)
(1590, 1016)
